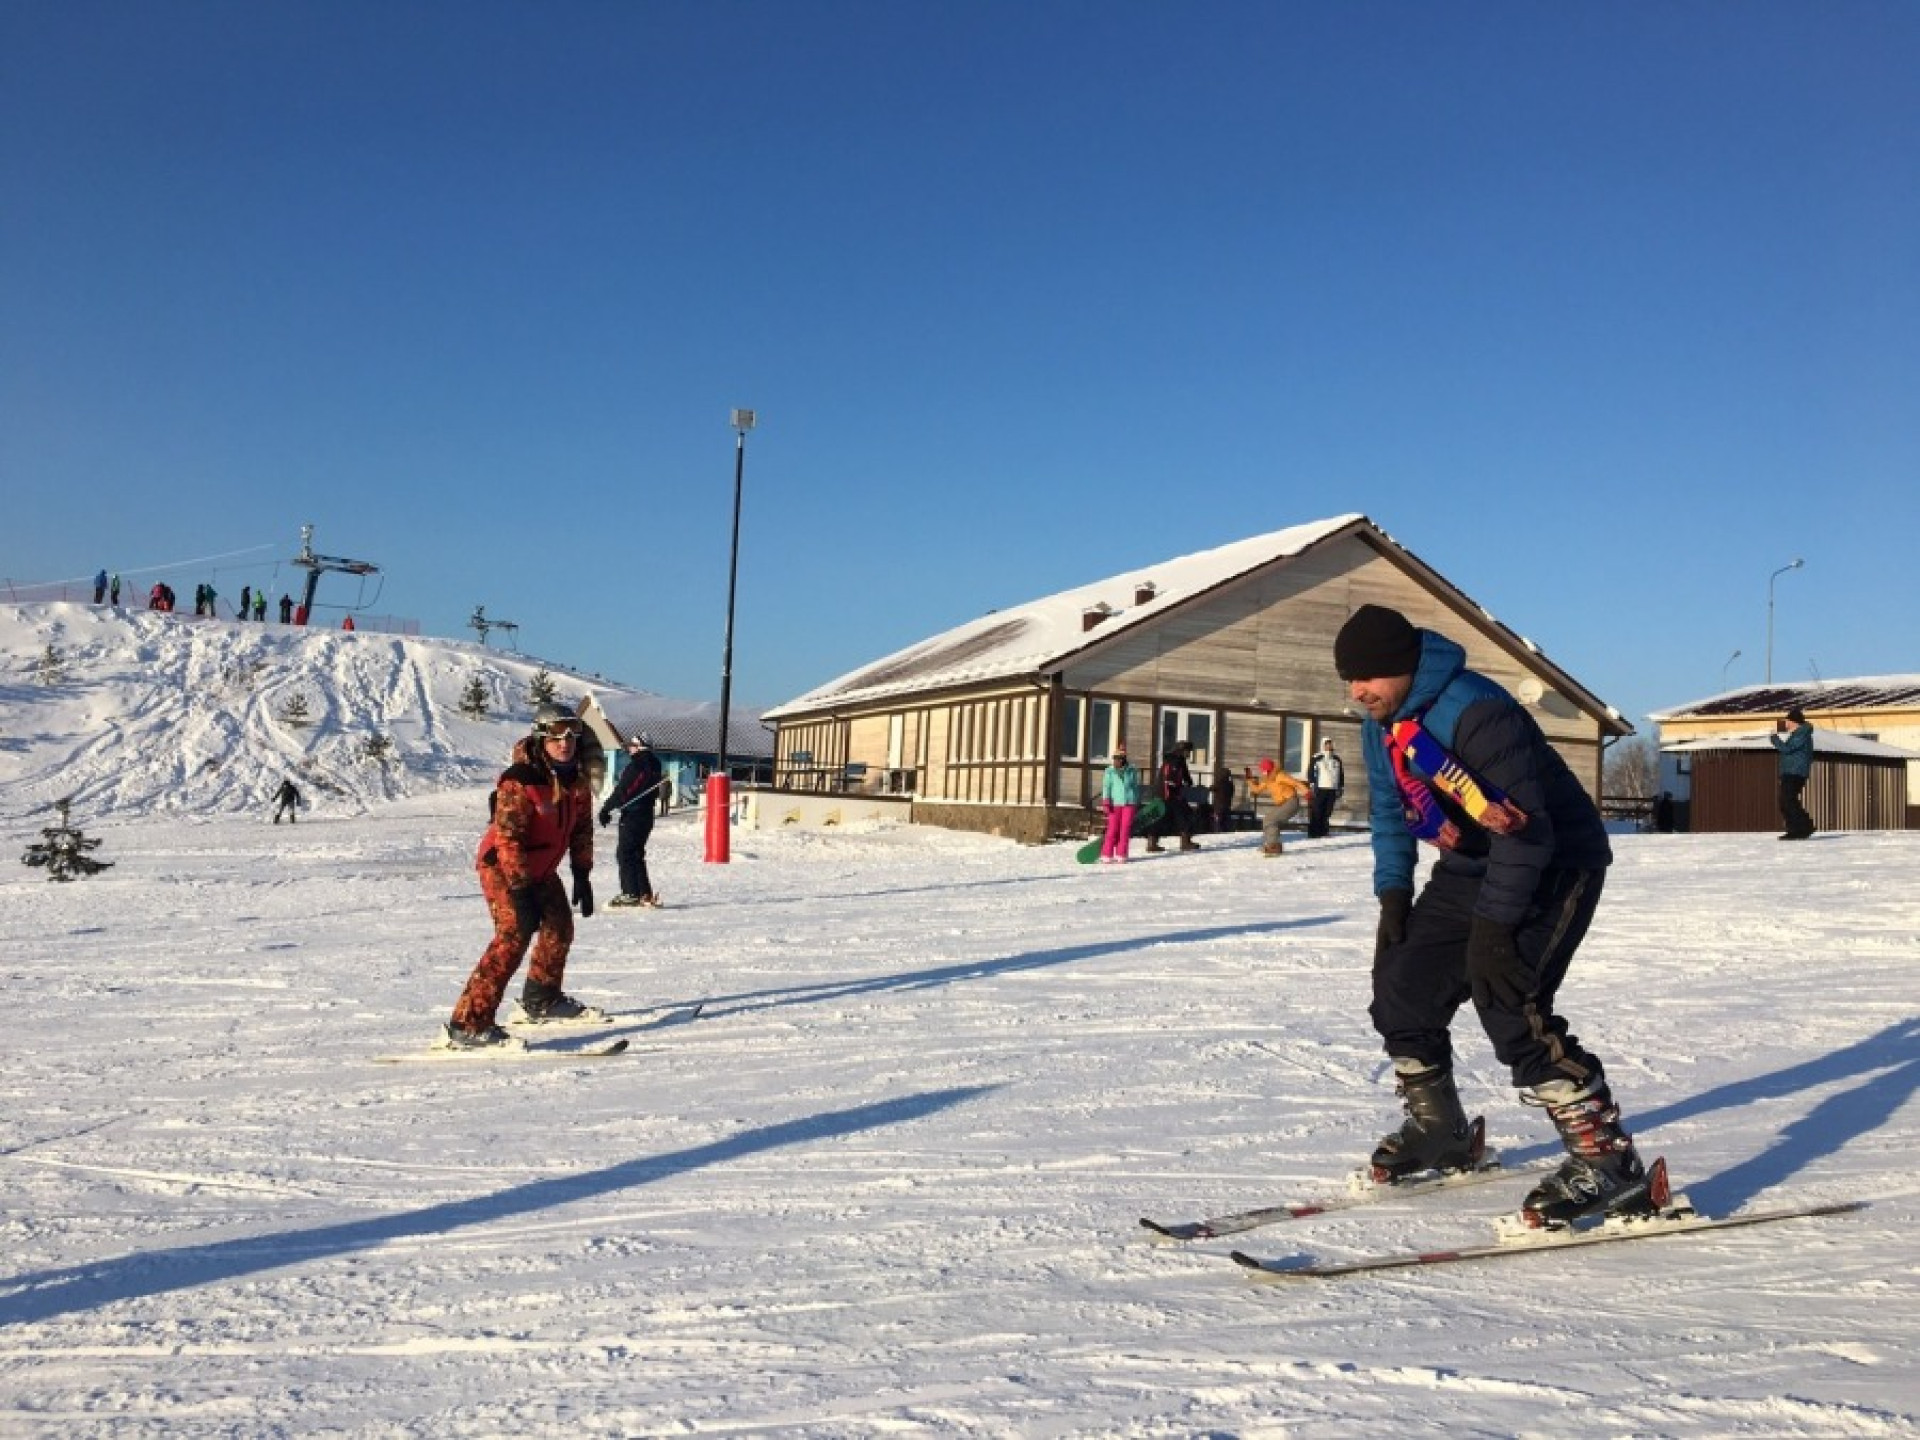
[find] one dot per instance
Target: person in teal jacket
(1120, 794)
(1796, 764)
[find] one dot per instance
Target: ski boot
(491, 1038)
(1436, 1135)
(543, 1004)
(1602, 1175)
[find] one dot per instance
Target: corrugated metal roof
(1875, 692)
(692, 728)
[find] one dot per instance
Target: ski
(1679, 1219)
(447, 1055)
(1361, 1191)
(640, 1019)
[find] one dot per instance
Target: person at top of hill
(542, 814)
(1454, 760)
(1281, 791)
(637, 800)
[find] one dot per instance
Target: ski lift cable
(162, 569)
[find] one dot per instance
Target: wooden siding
(1737, 791)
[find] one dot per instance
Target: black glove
(605, 816)
(582, 893)
(526, 909)
(1494, 968)
(1394, 905)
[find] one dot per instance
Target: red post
(719, 813)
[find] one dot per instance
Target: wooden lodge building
(1005, 724)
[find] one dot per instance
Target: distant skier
(637, 800)
(542, 814)
(286, 609)
(286, 802)
(100, 588)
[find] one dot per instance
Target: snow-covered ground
(888, 1183)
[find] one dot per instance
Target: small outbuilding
(1717, 762)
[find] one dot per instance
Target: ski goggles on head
(558, 730)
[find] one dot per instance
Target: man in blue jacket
(1453, 759)
(1796, 765)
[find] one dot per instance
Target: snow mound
(139, 711)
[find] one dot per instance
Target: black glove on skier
(1394, 905)
(605, 816)
(526, 909)
(582, 893)
(1494, 968)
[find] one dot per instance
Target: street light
(1770, 579)
(1723, 669)
(719, 796)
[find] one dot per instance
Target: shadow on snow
(983, 969)
(41, 1295)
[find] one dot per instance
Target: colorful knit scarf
(1409, 745)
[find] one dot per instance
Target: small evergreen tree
(51, 668)
(376, 749)
(473, 700)
(296, 712)
(540, 690)
(64, 850)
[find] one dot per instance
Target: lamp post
(719, 785)
(1723, 669)
(1770, 579)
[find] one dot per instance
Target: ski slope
(888, 1183)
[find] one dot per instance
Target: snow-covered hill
(132, 710)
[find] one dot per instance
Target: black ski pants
(1799, 822)
(1421, 983)
(636, 825)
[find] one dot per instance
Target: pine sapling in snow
(64, 850)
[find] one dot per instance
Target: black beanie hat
(1374, 642)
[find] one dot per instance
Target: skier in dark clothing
(287, 803)
(637, 799)
(1176, 779)
(1793, 738)
(1453, 759)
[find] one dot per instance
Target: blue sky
(1606, 311)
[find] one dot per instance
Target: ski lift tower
(316, 565)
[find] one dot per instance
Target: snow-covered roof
(1825, 742)
(1871, 692)
(1044, 634)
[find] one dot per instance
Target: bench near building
(1004, 724)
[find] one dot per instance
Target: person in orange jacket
(1284, 793)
